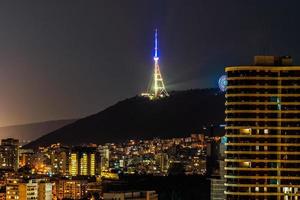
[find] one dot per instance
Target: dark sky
(68, 59)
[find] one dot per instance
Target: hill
(32, 131)
(183, 113)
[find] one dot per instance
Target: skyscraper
(263, 130)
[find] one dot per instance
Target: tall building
(59, 159)
(83, 161)
(26, 157)
(73, 166)
(163, 162)
(9, 154)
(104, 154)
(263, 130)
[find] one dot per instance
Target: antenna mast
(157, 89)
(158, 86)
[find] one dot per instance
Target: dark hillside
(180, 114)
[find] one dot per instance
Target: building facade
(137, 195)
(9, 154)
(45, 191)
(70, 189)
(263, 130)
(59, 159)
(12, 189)
(83, 161)
(217, 189)
(28, 190)
(104, 154)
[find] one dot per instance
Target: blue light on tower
(223, 83)
(156, 56)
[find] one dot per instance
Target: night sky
(68, 59)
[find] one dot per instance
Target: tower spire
(155, 46)
(158, 86)
(157, 89)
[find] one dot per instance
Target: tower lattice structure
(157, 88)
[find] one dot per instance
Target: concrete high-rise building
(59, 159)
(26, 157)
(104, 154)
(263, 130)
(9, 154)
(83, 161)
(73, 166)
(163, 162)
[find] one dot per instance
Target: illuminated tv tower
(157, 89)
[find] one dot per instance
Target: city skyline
(57, 58)
(149, 100)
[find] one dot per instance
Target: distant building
(9, 154)
(94, 189)
(217, 189)
(104, 155)
(45, 191)
(32, 189)
(262, 116)
(163, 162)
(59, 157)
(2, 192)
(28, 190)
(12, 189)
(25, 157)
(83, 161)
(140, 195)
(70, 189)
(217, 180)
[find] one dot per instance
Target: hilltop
(181, 114)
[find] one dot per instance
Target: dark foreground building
(263, 130)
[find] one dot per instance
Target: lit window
(245, 131)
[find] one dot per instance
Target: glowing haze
(67, 59)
